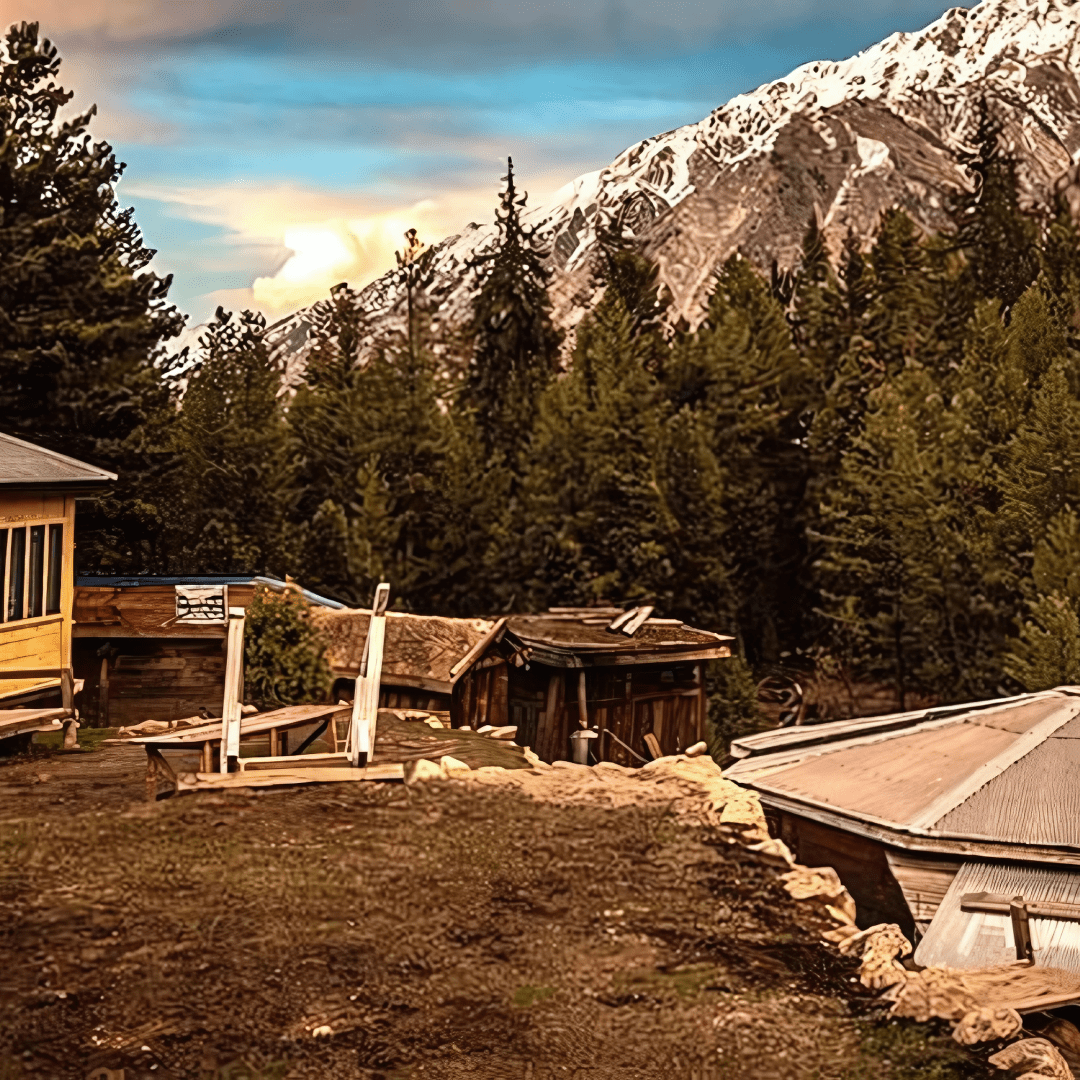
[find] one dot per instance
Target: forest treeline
(871, 463)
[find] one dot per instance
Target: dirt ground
(374, 930)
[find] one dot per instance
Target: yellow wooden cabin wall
(44, 642)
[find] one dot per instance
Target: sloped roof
(977, 939)
(419, 650)
(1001, 772)
(584, 634)
(22, 464)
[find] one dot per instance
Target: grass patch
(527, 996)
(912, 1051)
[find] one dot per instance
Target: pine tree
(81, 319)
(1000, 240)
(234, 449)
(742, 378)
(369, 436)
(1046, 651)
(592, 521)
(515, 343)
(892, 572)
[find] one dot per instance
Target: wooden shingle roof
(24, 465)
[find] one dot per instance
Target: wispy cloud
(276, 147)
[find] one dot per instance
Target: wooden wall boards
(38, 490)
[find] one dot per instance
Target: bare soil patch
(439, 931)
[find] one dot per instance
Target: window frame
(26, 619)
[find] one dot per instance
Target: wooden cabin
(154, 648)
(38, 492)
(550, 675)
(937, 819)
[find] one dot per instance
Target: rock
(418, 771)
(988, 1025)
(1033, 1059)
(453, 764)
(879, 947)
(697, 750)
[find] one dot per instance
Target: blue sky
(275, 147)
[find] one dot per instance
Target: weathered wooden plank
(234, 683)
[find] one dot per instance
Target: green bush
(284, 654)
(733, 705)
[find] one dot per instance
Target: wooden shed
(154, 648)
(935, 819)
(38, 491)
(551, 675)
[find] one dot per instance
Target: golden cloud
(323, 237)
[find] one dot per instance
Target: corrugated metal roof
(998, 771)
(977, 939)
(23, 463)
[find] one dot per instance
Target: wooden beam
(365, 709)
(583, 708)
(234, 684)
(492, 635)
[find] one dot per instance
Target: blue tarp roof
(135, 580)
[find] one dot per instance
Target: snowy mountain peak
(835, 141)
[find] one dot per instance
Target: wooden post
(67, 689)
(702, 704)
(1021, 929)
(583, 708)
(234, 685)
(103, 693)
(275, 743)
(365, 710)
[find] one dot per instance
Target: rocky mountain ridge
(837, 141)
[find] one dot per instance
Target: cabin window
(16, 584)
(31, 571)
(56, 569)
(35, 606)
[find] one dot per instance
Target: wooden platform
(300, 774)
(20, 721)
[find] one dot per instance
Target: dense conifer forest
(871, 464)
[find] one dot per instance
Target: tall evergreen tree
(741, 376)
(369, 436)
(234, 449)
(81, 319)
(999, 239)
(515, 343)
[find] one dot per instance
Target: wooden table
(207, 738)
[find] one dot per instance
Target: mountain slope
(839, 141)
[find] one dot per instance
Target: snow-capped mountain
(839, 141)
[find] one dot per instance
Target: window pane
(3, 571)
(36, 607)
(56, 569)
(16, 594)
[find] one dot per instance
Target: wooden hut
(938, 819)
(553, 675)
(38, 491)
(154, 648)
